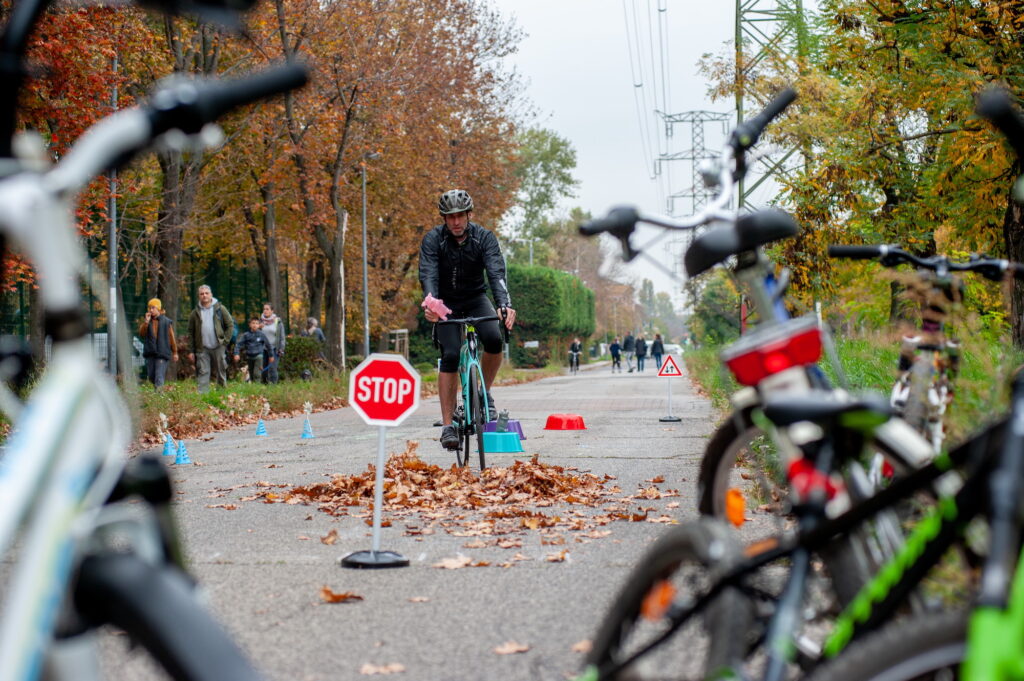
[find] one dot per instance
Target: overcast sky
(576, 59)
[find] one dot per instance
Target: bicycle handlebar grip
(855, 252)
(620, 221)
(747, 133)
(188, 105)
(994, 104)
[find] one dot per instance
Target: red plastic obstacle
(565, 422)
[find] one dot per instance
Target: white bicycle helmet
(455, 201)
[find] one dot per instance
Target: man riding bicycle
(453, 259)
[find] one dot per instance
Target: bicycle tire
(920, 378)
(930, 647)
(157, 607)
(477, 425)
(462, 453)
(696, 550)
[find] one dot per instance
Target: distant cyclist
(453, 259)
(575, 348)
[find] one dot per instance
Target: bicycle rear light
(768, 351)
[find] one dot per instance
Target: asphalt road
(263, 565)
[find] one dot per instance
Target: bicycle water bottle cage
(769, 350)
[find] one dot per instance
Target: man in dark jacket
(254, 346)
(158, 344)
(453, 259)
(629, 349)
(209, 333)
(640, 346)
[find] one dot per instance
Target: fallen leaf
(511, 647)
(303, 537)
(661, 519)
(583, 646)
(329, 596)
(226, 507)
(674, 504)
(330, 538)
(475, 544)
(459, 561)
(392, 668)
(557, 557)
(660, 478)
(419, 599)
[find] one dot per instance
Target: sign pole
(383, 390)
(378, 489)
(669, 369)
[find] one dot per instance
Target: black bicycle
(574, 362)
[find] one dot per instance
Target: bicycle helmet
(455, 201)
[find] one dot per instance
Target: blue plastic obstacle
(307, 430)
(261, 428)
(182, 457)
(168, 445)
(502, 443)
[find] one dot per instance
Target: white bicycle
(84, 557)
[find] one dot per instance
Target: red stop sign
(384, 389)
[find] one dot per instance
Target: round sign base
(670, 419)
(374, 559)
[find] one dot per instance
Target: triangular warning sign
(669, 367)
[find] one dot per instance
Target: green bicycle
(471, 411)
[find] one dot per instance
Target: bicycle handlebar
(188, 105)
(472, 321)
(746, 134)
(621, 221)
(891, 256)
(995, 105)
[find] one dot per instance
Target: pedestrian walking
(629, 349)
(158, 343)
(273, 329)
(641, 352)
(209, 332)
(313, 330)
(616, 351)
(657, 350)
(254, 348)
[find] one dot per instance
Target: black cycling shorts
(449, 336)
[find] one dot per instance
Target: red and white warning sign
(669, 367)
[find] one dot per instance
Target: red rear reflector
(755, 365)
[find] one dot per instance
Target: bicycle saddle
(749, 232)
(823, 406)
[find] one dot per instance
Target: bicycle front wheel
(478, 417)
(680, 566)
(158, 609)
(917, 649)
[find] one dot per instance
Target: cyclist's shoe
(492, 411)
(450, 437)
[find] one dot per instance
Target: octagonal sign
(384, 389)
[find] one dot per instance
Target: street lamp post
(366, 288)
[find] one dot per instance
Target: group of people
(211, 339)
(636, 347)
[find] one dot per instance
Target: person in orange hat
(158, 344)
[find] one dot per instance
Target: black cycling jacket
(454, 272)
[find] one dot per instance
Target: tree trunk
(315, 287)
(1013, 234)
(335, 296)
(180, 184)
(263, 234)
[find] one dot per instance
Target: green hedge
(551, 307)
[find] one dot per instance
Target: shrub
(301, 353)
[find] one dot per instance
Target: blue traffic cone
(261, 429)
(183, 457)
(168, 445)
(307, 430)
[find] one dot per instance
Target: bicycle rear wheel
(157, 607)
(677, 569)
(478, 418)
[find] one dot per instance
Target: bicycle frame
(469, 363)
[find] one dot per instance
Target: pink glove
(437, 306)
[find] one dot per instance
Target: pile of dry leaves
(499, 501)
